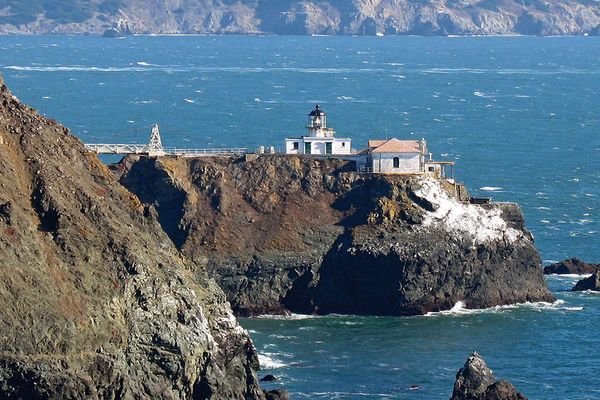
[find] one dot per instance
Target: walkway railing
(206, 152)
(105, 148)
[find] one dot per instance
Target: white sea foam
(287, 317)
(269, 361)
(189, 101)
(572, 276)
(459, 308)
(490, 188)
(482, 225)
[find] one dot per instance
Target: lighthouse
(320, 139)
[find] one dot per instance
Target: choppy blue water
(520, 116)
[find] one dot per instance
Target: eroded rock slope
(332, 17)
(310, 235)
(96, 302)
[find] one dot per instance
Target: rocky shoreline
(296, 234)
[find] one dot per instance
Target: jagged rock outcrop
(96, 302)
(571, 266)
(475, 381)
(334, 17)
(287, 233)
(590, 283)
(119, 29)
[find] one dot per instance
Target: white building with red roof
(397, 156)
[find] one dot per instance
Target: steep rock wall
(342, 17)
(96, 302)
(311, 235)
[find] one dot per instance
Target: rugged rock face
(96, 302)
(356, 17)
(475, 381)
(589, 283)
(286, 233)
(571, 266)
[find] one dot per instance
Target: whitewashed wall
(409, 163)
(289, 146)
(318, 146)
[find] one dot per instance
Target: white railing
(117, 148)
(105, 148)
(206, 152)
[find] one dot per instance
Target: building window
(396, 162)
(431, 169)
(295, 144)
(343, 144)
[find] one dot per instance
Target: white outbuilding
(320, 140)
(397, 156)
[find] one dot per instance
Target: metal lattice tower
(155, 147)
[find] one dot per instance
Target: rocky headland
(96, 302)
(571, 266)
(299, 234)
(294, 17)
(476, 381)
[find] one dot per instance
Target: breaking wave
(459, 308)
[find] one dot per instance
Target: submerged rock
(96, 302)
(475, 381)
(277, 394)
(589, 283)
(298, 234)
(571, 266)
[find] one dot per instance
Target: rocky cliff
(332, 17)
(306, 235)
(96, 302)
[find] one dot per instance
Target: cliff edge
(96, 302)
(298, 234)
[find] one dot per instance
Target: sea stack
(96, 301)
(475, 381)
(296, 233)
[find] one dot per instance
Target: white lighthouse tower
(320, 139)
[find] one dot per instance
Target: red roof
(395, 146)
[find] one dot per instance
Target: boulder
(589, 283)
(476, 381)
(571, 266)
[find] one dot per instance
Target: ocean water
(520, 116)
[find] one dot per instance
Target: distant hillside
(334, 17)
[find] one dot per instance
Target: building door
(396, 162)
(328, 148)
(307, 148)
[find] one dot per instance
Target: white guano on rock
(481, 225)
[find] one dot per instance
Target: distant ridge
(316, 17)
